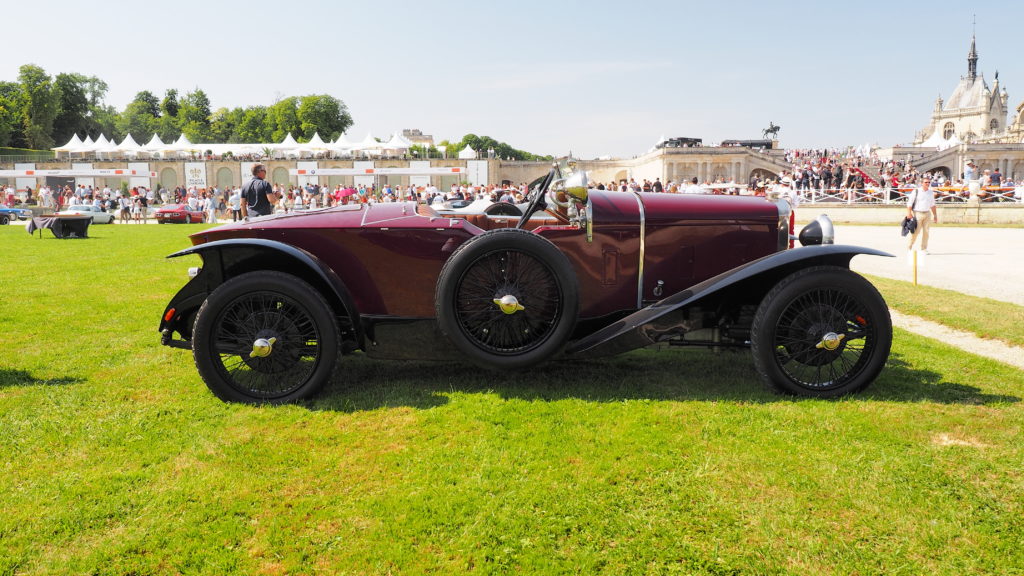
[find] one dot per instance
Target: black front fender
(643, 327)
(225, 259)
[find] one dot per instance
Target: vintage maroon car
(581, 273)
(178, 213)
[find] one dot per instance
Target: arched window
(993, 125)
(168, 178)
(947, 131)
(281, 176)
(225, 178)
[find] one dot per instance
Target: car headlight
(818, 231)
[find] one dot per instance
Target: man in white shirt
(235, 201)
(693, 188)
(921, 205)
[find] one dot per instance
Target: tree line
(39, 112)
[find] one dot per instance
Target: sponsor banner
(195, 174)
(21, 184)
(364, 172)
(419, 180)
(307, 173)
(84, 173)
(476, 172)
(83, 180)
(139, 168)
(370, 171)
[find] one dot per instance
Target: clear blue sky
(596, 77)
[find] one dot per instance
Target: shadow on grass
(11, 378)
(361, 384)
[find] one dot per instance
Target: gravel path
(967, 341)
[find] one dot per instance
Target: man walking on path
(921, 205)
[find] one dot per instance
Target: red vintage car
(178, 213)
(582, 273)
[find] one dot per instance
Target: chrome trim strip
(643, 250)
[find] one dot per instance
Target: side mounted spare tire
(508, 299)
(823, 332)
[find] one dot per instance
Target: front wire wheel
(265, 337)
(822, 332)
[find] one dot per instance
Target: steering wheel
(536, 197)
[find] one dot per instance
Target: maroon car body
(605, 273)
(179, 213)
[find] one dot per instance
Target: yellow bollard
(915, 267)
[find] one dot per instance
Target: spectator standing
(921, 205)
(259, 196)
(236, 205)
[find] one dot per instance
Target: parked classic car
(178, 213)
(98, 215)
(13, 214)
(582, 273)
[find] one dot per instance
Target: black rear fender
(227, 259)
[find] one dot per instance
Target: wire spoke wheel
(802, 328)
(499, 274)
(295, 352)
(507, 298)
(823, 331)
(265, 337)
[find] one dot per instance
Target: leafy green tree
(194, 116)
(169, 105)
(151, 102)
(104, 121)
(75, 111)
(41, 104)
(484, 144)
(11, 133)
(324, 114)
(166, 128)
(137, 120)
(224, 123)
(253, 126)
(421, 151)
(283, 118)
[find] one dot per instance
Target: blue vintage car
(12, 214)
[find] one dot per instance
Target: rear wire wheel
(823, 332)
(265, 337)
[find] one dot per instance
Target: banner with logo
(365, 180)
(22, 183)
(140, 167)
(195, 174)
(310, 176)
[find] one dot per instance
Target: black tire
(265, 305)
(822, 332)
(188, 218)
(4, 219)
(507, 262)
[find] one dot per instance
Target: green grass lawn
(117, 460)
(984, 317)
